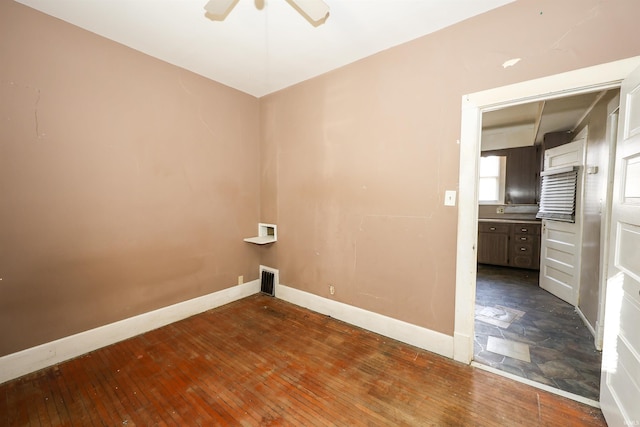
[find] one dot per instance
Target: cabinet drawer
(493, 227)
(523, 248)
(532, 229)
(525, 238)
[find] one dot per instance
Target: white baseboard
(417, 336)
(586, 322)
(463, 348)
(32, 359)
(35, 358)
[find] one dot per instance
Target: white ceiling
(526, 124)
(261, 46)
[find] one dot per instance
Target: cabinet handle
(523, 249)
(523, 238)
(492, 228)
(524, 230)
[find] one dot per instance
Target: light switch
(450, 198)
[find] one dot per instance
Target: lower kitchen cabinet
(509, 244)
(525, 246)
(493, 243)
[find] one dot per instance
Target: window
(491, 184)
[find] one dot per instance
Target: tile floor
(524, 330)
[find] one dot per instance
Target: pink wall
(135, 185)
(362, 155)
(127, 183)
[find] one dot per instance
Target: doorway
(601, 77)
(527, 323)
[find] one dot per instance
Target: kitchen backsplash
(524, 212)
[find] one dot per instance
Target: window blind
(558, 194)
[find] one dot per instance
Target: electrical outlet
(500, 210)
(240, 280)
(332, 289)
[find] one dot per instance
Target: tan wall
(127, 183)
(595, 193)
(364, 154)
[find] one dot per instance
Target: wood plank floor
(262, 361)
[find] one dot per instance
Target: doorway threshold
(538, 385)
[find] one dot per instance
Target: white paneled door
(620, 385)
(561, 242)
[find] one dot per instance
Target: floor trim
(586, 322)
(417, 336)
(538, 385)
(35, 358)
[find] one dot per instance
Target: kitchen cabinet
(493, 243)
(522, 176)
(511, 244)
(525, 246)
(522, 180)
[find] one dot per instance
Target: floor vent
(267, 282)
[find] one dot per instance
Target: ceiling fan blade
(315, 10)
(219, 8)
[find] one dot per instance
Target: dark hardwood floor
(262, 361)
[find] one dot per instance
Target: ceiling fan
(316, 11)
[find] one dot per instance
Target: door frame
(612, 137)
(599, 77)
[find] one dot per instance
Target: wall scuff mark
(35, 113)
(195, 100)
(590, 15)
(23, 111)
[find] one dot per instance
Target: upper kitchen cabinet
(522, 182)
(522, 175)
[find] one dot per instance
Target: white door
(561, 243)
(620, 384)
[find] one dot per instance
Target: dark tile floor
(560, 347)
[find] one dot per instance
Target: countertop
(515, 221)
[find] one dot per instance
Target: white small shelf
(267, 233)
(260, 240)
